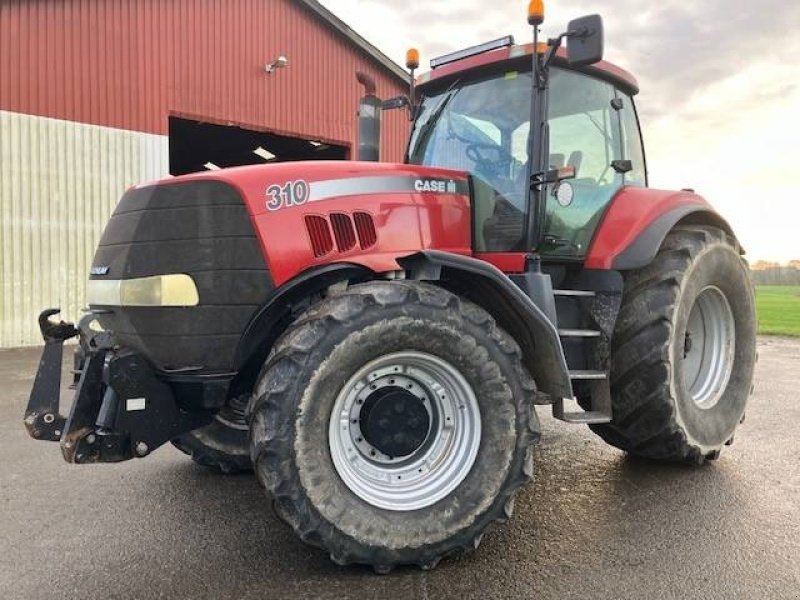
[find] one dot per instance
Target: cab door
(594, 129)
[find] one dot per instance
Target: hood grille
(346, 230)
(343, 231)
(320, 234)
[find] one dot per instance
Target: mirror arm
(555, 43)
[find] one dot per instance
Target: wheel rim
(709, 345)
(436, 461)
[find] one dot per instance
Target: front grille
(202, 229)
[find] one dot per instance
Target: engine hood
(265, 186)
(311, 213)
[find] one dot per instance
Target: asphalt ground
(595, 523)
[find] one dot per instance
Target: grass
(778, 308)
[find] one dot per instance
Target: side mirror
(585, 41)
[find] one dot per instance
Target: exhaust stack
(369, 120)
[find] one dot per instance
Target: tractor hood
(311, 213)
(278, 186)
(184, 263)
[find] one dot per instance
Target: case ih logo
(434, 185)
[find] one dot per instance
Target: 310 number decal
(291, 193)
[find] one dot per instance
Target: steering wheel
(498, 167)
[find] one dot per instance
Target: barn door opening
(196, 146)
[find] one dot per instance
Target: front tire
(393, 424)
(222, 444)
(683, 350)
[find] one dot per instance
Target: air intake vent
(343, 232)
(320, 235)
(365, 228)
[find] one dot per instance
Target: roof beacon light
(412, 58)
(474, 50)
(536, 12)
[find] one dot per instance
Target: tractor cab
(542, 189)
(478, 120)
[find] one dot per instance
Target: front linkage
(121, 408)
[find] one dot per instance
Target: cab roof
(515, 56)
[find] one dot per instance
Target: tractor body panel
(636, 222)
(401, 209)
(195, 227)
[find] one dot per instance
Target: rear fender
(637, 221)
(515, 312)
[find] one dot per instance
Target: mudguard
(490, 288)
(264, 327)
(637, 221)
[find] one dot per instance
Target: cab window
(482, 127)
(632, 141)
(585, 133)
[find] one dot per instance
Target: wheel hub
(394, 421)
(404, 431)
(708, 348)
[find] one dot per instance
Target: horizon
(695, 114)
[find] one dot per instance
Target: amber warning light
(536, 12)
(412, 58)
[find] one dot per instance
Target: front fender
(514, 311)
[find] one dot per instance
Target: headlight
(160, 290)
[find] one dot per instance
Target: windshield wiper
(426, 129)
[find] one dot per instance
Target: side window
(632, 142)
(585, 133)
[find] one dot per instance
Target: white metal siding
(59, 182)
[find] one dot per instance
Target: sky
(719, 79)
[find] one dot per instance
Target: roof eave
(340, 26)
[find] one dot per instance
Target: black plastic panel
(202, 229)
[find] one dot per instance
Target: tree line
(773, 273)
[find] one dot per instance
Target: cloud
(719, 101)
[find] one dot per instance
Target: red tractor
(372, 338)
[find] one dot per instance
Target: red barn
(96, 95)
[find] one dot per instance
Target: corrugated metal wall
(79, 79)
(129, 63)
(59, 182)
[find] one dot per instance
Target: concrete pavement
(594, 524)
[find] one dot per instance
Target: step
(585, 333)
(587, 375)
(579, 293)
(585, 418)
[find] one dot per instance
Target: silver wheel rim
(439, 464)
(709, 346)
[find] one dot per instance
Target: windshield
(482, 127)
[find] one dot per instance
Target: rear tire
(366, 346)
(683, 350)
